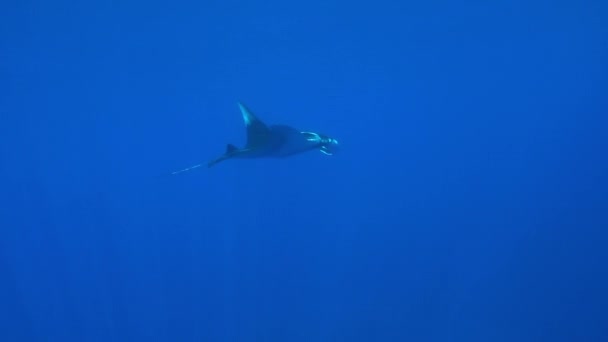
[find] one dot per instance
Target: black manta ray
(275, 141)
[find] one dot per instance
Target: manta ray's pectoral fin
(257, 131)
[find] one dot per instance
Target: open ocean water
(468, 202)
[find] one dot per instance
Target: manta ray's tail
(209, 164)
(217, 160)
(187, 169)
(230, 151)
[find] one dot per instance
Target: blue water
(469, 201)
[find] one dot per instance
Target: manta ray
(274, 141)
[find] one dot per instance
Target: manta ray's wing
(258, 134)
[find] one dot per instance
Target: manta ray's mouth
(327, 145)
(326, 151)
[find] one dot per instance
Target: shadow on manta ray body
(275, 141)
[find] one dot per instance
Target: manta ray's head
(326, 144)
(329, 145)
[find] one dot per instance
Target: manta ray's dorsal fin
(257, 131)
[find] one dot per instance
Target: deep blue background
(469, 202)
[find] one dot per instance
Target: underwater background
(469, 201)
